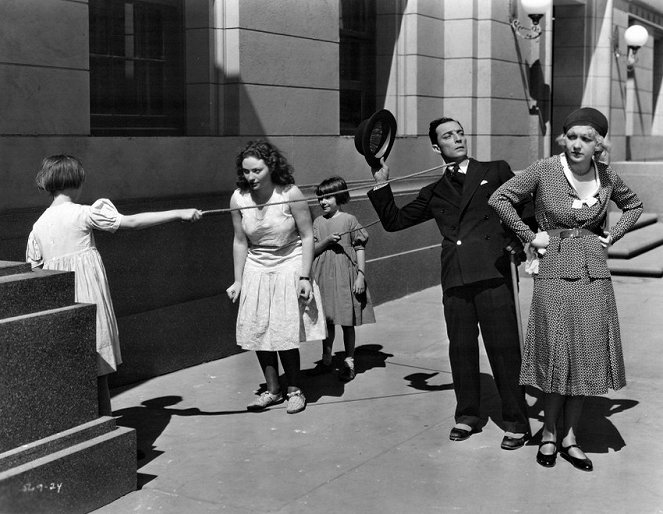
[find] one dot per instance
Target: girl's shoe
(583, 464)
(296, 402)
(265, 400)
(547, 461)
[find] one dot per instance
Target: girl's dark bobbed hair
(60, 172)
(331, 187)
(280, 170)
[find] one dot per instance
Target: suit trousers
(489, 305)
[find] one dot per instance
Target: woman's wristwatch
(305, 278)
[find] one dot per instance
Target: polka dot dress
(573, 345)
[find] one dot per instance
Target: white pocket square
(483, 182)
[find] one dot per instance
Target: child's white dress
(62, 239)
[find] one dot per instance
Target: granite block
(77, 479)
(12, 268)
(48, 379)
(35, 291)
(55, 443)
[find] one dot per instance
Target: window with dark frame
(356, 63)
(136, 67)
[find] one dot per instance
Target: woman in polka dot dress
(573, 346)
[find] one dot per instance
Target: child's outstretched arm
(360, 281)
(151, 219)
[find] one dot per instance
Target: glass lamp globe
(535, 6)
(636, 36)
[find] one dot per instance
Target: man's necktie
(457, 178)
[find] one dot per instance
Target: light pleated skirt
(92, 287)
(271, 315)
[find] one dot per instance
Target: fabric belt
(565, 233)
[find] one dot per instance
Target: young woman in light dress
(279, 304)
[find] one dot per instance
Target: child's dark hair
(60, 172)
(432, 128)
(330, 187)
(280, 170)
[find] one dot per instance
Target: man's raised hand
(381, 174)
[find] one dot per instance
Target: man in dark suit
(476, 284)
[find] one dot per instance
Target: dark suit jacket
(474, 238)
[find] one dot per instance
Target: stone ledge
(74, 480)
(56, 442)
(13, 268)
(637, 242)
(35, 291)
(49, 373)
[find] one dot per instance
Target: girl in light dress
(62, 239)
(339, 269)
(279, 304)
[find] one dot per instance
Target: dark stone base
(48, 373)
(35, 291)
(78, 470)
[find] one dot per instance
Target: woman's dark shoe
(583, 464)
(547, 461)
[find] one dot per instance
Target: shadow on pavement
(420, 381)
(367, 357)
(596, 433)
(150, 419)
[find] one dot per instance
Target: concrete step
(76, 479)
(647, 218)
(637, 242)
(13, 268)
(29, 452)
(35, 291)
(649, 264)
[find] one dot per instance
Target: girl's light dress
(271, 315)
(335, 270)
(62, 239)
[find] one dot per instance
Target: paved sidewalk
(379, 444)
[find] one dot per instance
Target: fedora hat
(375, 136)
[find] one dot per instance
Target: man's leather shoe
(459, 434)
(513, 443)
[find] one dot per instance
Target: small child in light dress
(339, 270)
(62, 239)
